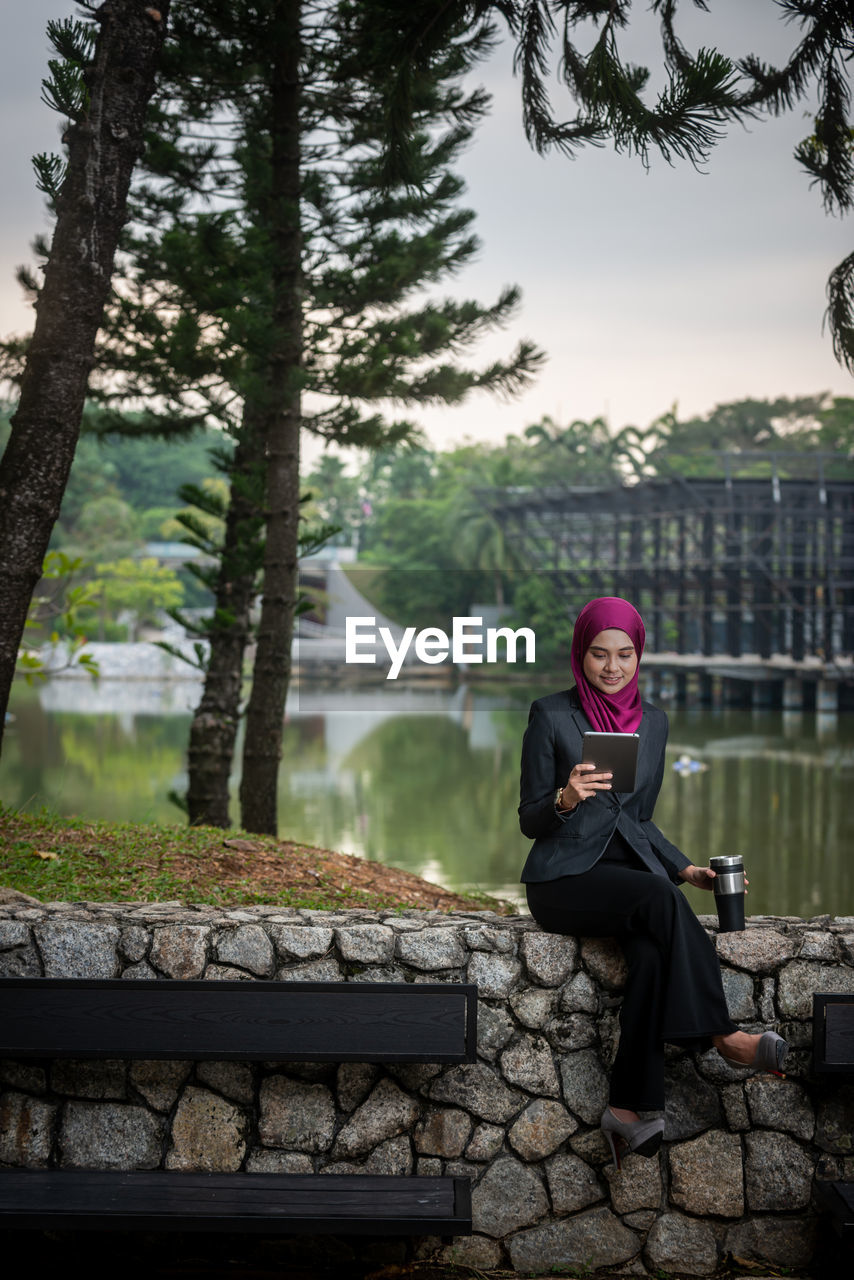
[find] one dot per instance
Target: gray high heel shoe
(641, 1136)
(770, 1055)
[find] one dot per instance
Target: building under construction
(732, 565)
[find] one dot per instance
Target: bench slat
(233, 1020)
(838, 1199)
(267, 1203)
(833, 1033)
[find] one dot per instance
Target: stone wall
(735, 1175)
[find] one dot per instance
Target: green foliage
(56, 616)
(538, 603)
(140, 586)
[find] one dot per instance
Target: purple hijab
(609, 713)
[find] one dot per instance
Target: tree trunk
(103, 148)
(265, 712)
(214, 727)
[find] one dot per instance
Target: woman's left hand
(702, 877)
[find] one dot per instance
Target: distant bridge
(730, 565)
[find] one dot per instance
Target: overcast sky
(644, 289)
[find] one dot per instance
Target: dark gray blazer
(568, 844)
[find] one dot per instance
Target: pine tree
(298, 301)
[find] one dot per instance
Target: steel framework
(727, 565)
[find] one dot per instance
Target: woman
(600, 867)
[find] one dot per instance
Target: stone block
(96, 1078)
(585, 1085)
(587, 1241)
(141, 972)
(133, 943)
(479, 938)
(529, 1064)
(818, 945)
(415, 1076)
(295, 1115)
(23, 1075)
(682, 1245)
(443, 1133)
(636, 1185)
(159, 1081)
(367, 944)
(783, 1242)
(495, 975)
(572, 1184)
(208, 1133)
(226, 973)
(542, 1127)
(579, 995)
(265, 1160)
(109, 1135)
(392, 1158)
(486, 1141)
(780, 1104)
(248, 947)
(778, 1173)
(478, 1089)
(735, 1107)
(14, 933)
(26, 1126)
(510, 1195)
(801, 978)
(494, 1029)
(573, 1032)
(327, 970)
(603, 958)
(387, 1112)
(76, 949)
(706, 1175)
(300, 942)
(549, 958)
(431, 949)
(233, 1079)
(738, 989)
(180, 950)
(20, 962)
(474, 1253)
(353, 1083)
(534, 1006)
(757, 950)
(692, 1104)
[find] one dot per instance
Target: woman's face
(610, 661)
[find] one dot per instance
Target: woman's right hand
(584, 782)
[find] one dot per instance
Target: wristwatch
(559, 797)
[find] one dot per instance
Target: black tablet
(615, 753)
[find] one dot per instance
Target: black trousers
(673, 992)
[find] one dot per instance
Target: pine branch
(840, 311)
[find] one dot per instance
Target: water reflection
(427, 779)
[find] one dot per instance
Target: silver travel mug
(729, 892)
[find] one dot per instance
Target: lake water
(427, 779)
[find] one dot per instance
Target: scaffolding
(734, 564)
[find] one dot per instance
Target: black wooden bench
(229, 1021)
(833, 1054)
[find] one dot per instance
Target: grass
(72, 859)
